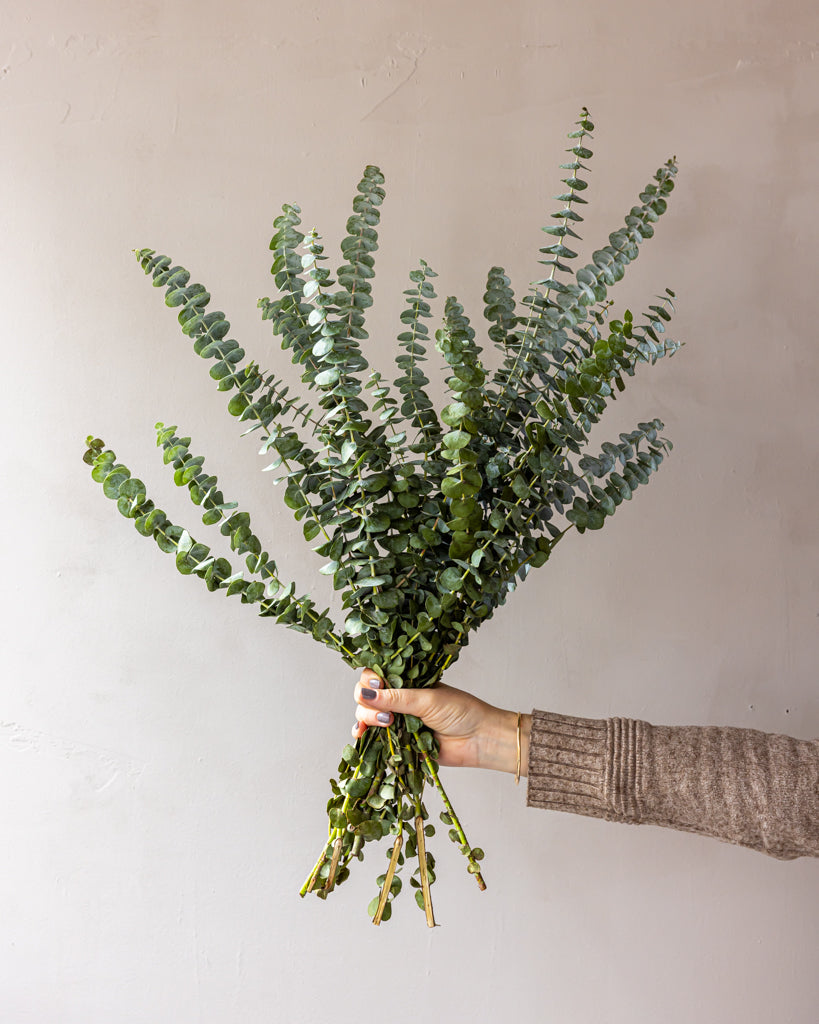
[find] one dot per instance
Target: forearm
(497, 746)
(739, 785)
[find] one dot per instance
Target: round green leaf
(451, 579)
(327, 377)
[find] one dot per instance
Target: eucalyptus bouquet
(425, 520)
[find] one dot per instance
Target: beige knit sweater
(738, 785)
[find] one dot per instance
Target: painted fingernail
(375, 682)
(383, 717)
(368, 694)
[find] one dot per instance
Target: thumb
(371, 692)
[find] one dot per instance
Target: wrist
(498, 744)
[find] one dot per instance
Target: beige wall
(164, 753)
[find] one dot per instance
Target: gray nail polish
(383, 717)
(367, 694)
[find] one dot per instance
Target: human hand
(470, 732)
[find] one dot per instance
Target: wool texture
(755, 789)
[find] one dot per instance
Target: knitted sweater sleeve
(739, 785)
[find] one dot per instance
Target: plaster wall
(164, 754)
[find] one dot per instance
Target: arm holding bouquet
(742, 786)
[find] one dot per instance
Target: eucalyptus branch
(424, 535)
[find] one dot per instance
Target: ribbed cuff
(586, 766)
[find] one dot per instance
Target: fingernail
(375, 682)
(383, 717)
(368, 694)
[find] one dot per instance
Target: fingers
(378, 704)
(369, 689)
(372, 716)
(366, 690)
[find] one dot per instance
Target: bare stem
(385, 888)
(311, 878)
(331, 878)
(422, 861)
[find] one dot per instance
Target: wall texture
(163, 753)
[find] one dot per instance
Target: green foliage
(424, 520)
